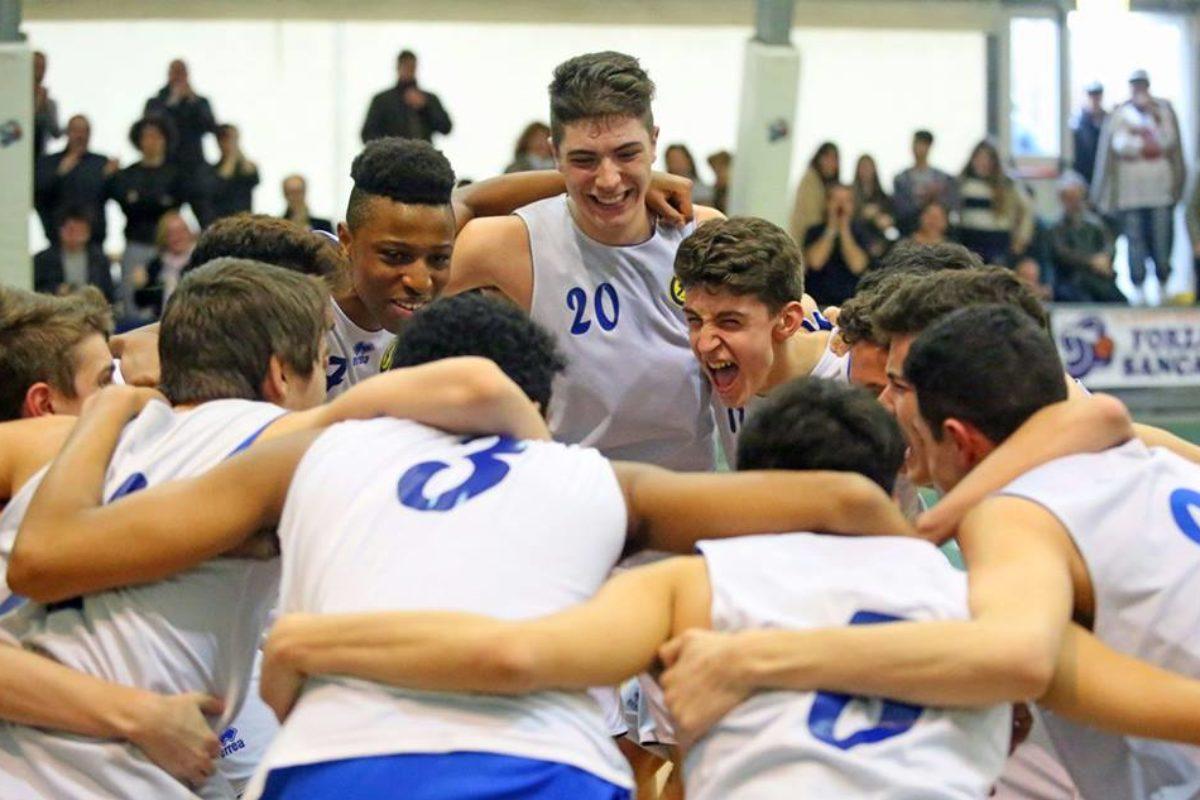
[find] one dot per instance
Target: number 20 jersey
(1134, 515)
(781, 745)
(389, 515)
(632, 388)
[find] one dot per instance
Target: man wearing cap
(1086, 130)
(1139, 175)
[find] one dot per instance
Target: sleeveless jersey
(1134, 515)
(805, 744)
(391, 515)
(10, 522)
(354, 353)
(632, 387)
(730, 421)
(197, 631)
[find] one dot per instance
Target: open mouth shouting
(723, 374)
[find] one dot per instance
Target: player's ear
(345, 238)
(789, 320)
(39, 400)
(970, 445)
(274, 383)
(654, 144)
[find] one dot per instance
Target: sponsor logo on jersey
(230, 743)
(1085, 346)
(678, 296)
(362, 352)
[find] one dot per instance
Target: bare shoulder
(704, 214)
(493, 252)
(27, 445)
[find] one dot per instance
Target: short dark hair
(916, 305)
(815, 424)
(599, 85)
(38, 335)
(987, 365)
(406, 55)
(856, 320)
(275, 241)
(225, 321)
(402, 170)
(472, 324)
(78, 213)
(164, 124)
(743, 255)
(927, 258)
(923, 136)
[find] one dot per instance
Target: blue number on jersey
(607, 308)
(1185, 505)
(134, 483)
(338, 374)
(486, 471)
(895, 719)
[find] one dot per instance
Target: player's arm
(673, 510)
(488, 254)
(460, 395)
(137, 351)
(171, 730)
(1089, 424)
(1157, 437)
(1020, 602)
(611, 637)
(70, 544)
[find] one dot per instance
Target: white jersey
(1134, 515)
(197, 631)
(632, 387)
(10, 522)
(354, 353)
(831, 366)
(391, 515)
(779, 745)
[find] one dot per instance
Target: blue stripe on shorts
(439, 776)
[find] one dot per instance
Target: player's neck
(352, 306)
(637, 231)
(797, 357)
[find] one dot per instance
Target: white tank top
(10, 522)
(632, 387)
(391, 515)
(783, 745)
(197, 631)
(354, 353)
(1134, 515)
(730, 421)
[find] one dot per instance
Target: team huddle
(434, 511)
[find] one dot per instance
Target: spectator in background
(678, 161)
(45, 110)
(994, 217)
(933, 225)
(234, 177)
(74, 260)
(1029, 272)
(824, 169)
(175, 241)
(721, 163)
(1193, 225)
(192, 117)
(1139, 175)
(1086, 131)
(295, 194)
(874, 208)
(532, 151)
(920, 184)
(405, 109)
(1082, 248)
(835, 254)
(73, 178)
(145, 191)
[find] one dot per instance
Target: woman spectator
(874, 207)
(721, 163)
(679, 161)
(145, 190)
(175, 240)
(533, 149)
(994, 217)
(823, 169)
(234, 177)
(933, 224)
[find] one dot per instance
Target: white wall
(299, 90)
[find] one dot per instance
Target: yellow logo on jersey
(385, 363)
(677, 293)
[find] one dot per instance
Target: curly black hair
(810, 423)
(473, 324)
(403, 170)
(165, 125)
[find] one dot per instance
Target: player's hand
(703, 681)
(174, 733)
(670, 198)
(281, 681)
(138, 352)
(120, 399)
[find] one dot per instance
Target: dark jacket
(389, 115)
(145, 194)
(82, 188)
(48, 273)
(192, 117)
(235, 194)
